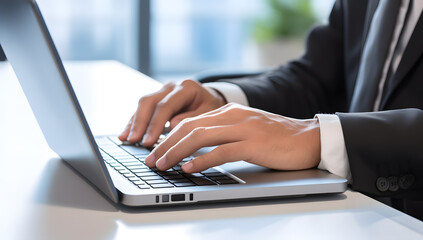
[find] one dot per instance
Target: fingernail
(146, 139)
(160, 164)
(149, 159)
(187, 167)
(121, 137)
(130, 136)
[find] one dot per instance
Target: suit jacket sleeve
(313, 83)
(385, 148)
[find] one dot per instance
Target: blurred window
(93, 29)
(186, 36)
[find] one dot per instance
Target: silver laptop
(118, 170)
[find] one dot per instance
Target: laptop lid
(30, 50)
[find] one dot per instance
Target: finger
(229, 152)
(203, 111)
(218, 118)
(224, 108)
(141, 118)
(177, 134)
(165, 109)
(198, 138)
(180, 117)
(144, 112)
(124, 135)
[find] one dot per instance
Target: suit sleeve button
(382, 184)
(393, 183)
(406, 181)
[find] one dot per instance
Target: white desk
(43, 199)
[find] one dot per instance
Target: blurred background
(170, 40)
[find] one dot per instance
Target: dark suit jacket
(384, 148)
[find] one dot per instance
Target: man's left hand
(240, 133)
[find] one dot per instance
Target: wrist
(220, 98)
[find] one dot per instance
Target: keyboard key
(184, 184)
(133, 163)
(138, 167)
(108, 147)
(146, 174)
(125, 171)
(129, 160)
(168, 173)
(124, 156)
(132, 179)
(143, 186)
(192, 175)
(156, 177)
(141, 170)
(141, 157)
(180, 180)
(106, 157)
(215, 174)
(128, 175)
(158, 181)
(116, 152)
(115, 165)
(224, 177)
(133, 150)
(202, 181)
(178, 176)
(109, 160)
(165, 185)
(226, 181)
(119, 168)
(139, 182)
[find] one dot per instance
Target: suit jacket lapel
(411, 54)
(371, 8)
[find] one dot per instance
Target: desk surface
(42, 198)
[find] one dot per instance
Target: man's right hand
(174, 102)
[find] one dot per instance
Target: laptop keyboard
(128, 160)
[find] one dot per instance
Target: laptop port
(178, 197)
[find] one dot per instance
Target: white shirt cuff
(334, 156)
(232, 92)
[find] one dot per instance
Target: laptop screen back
(30, 50)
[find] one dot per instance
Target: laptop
(115, 169)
